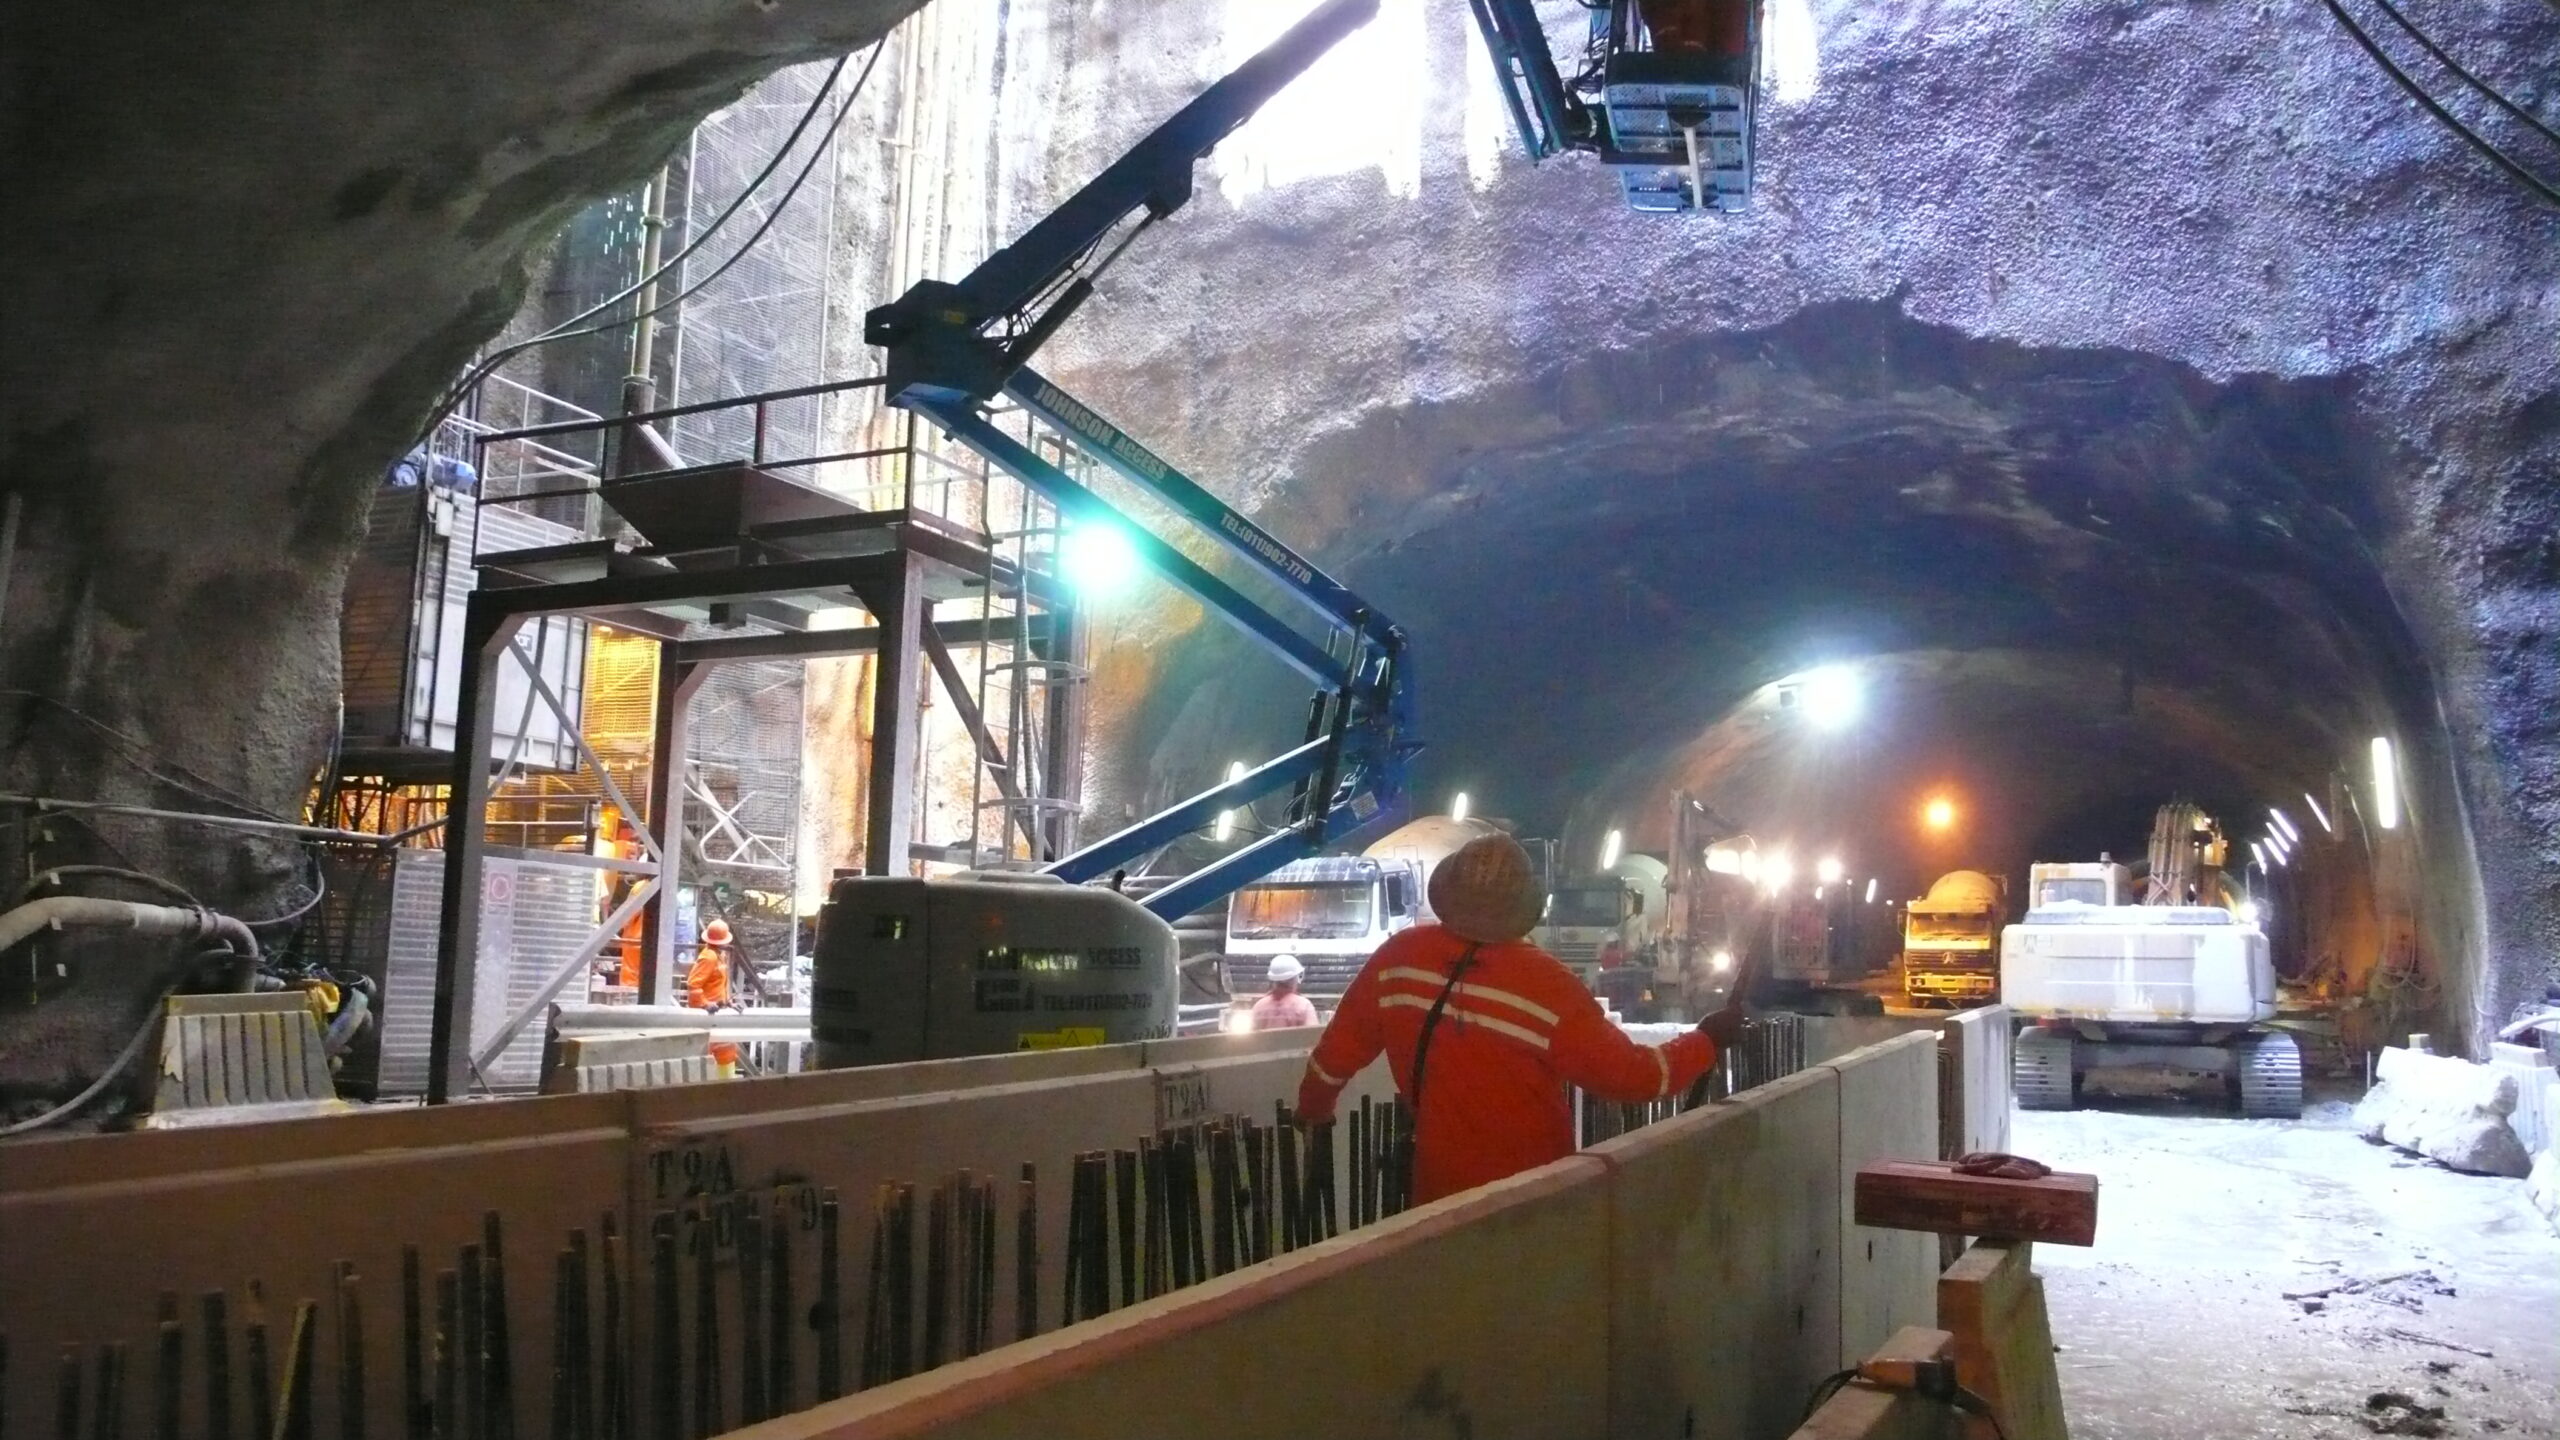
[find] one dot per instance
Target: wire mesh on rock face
(761, 326)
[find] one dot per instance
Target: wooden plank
(1992, 1302)
(1864, 1411)
(1929, 1195)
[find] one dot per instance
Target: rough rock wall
(247, 246)
(2230, 188)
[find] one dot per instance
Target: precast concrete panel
(1725, 1265)
(1888, 1111)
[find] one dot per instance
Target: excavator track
(2040, 1068)
(2270, 1076)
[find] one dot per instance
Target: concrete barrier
(1482, 1315)
(1694, 1278)
(1976, 1087)
(95, 1229)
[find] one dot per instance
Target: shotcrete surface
(2177, 1323)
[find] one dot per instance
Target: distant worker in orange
(1284, 1008)
(626, 846)
(706, 985)
(1484, 1031)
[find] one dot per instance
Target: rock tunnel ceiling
(2075, 582)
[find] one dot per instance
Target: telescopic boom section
(935, 333)
(952, 347)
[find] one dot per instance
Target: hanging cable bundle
(2489, 149)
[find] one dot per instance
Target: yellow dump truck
(1951, 942)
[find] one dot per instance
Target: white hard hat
(1285, 968)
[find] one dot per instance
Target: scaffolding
(729, 564)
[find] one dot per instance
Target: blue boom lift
(1673, 118)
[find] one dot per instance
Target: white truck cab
(1331, 911)
(1334, 911)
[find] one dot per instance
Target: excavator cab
(1678, 90)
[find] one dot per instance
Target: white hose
(164, 921)
(2514, 1030)
(106, 1077)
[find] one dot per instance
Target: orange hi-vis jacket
(706, 985)
(1516, 1031)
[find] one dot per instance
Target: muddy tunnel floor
(2287, 1280)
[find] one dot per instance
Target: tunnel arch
(2077, 583)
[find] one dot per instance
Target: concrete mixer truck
(1951, 942)
(1607, 929)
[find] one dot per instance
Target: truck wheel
(2270, 1076)
(2041, 1070)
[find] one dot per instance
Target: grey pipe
(158, 921)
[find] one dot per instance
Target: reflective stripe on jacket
(1517, 1030)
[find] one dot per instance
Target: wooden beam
(1929, 1195)
(1992, 1302)
(1862, 1410)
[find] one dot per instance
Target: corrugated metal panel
(534, 914)
(376, 626)
(386, 641)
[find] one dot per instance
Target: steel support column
(487, 631)
(670, 741)
(1062, 766)
(897, 606)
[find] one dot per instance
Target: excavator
(1663, 95)
(2165, 975)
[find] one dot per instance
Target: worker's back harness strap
(1421, 1056)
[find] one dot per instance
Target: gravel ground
(2199, 1313)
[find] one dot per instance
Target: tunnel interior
(2072, 586)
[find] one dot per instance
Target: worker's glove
(2002, 1166)
(1724, 1026)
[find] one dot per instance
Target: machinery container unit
(984, 964)
(401, 635)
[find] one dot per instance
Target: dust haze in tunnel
(2075, 583)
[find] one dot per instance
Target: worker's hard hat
(1488, 891)
(716, 933)
(1285, 969)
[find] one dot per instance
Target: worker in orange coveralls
(706, 985)
(1719, 27)
(1513, 1029)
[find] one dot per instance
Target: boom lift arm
(952, 347)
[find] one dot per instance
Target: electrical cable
(745, 193)
(2426, 42)
(2500, 158)
(143, 758)
(1823, 1390)
(319, 892)
(54, 873)
(1956, 1396)
(489, 366)
(132, 1047)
